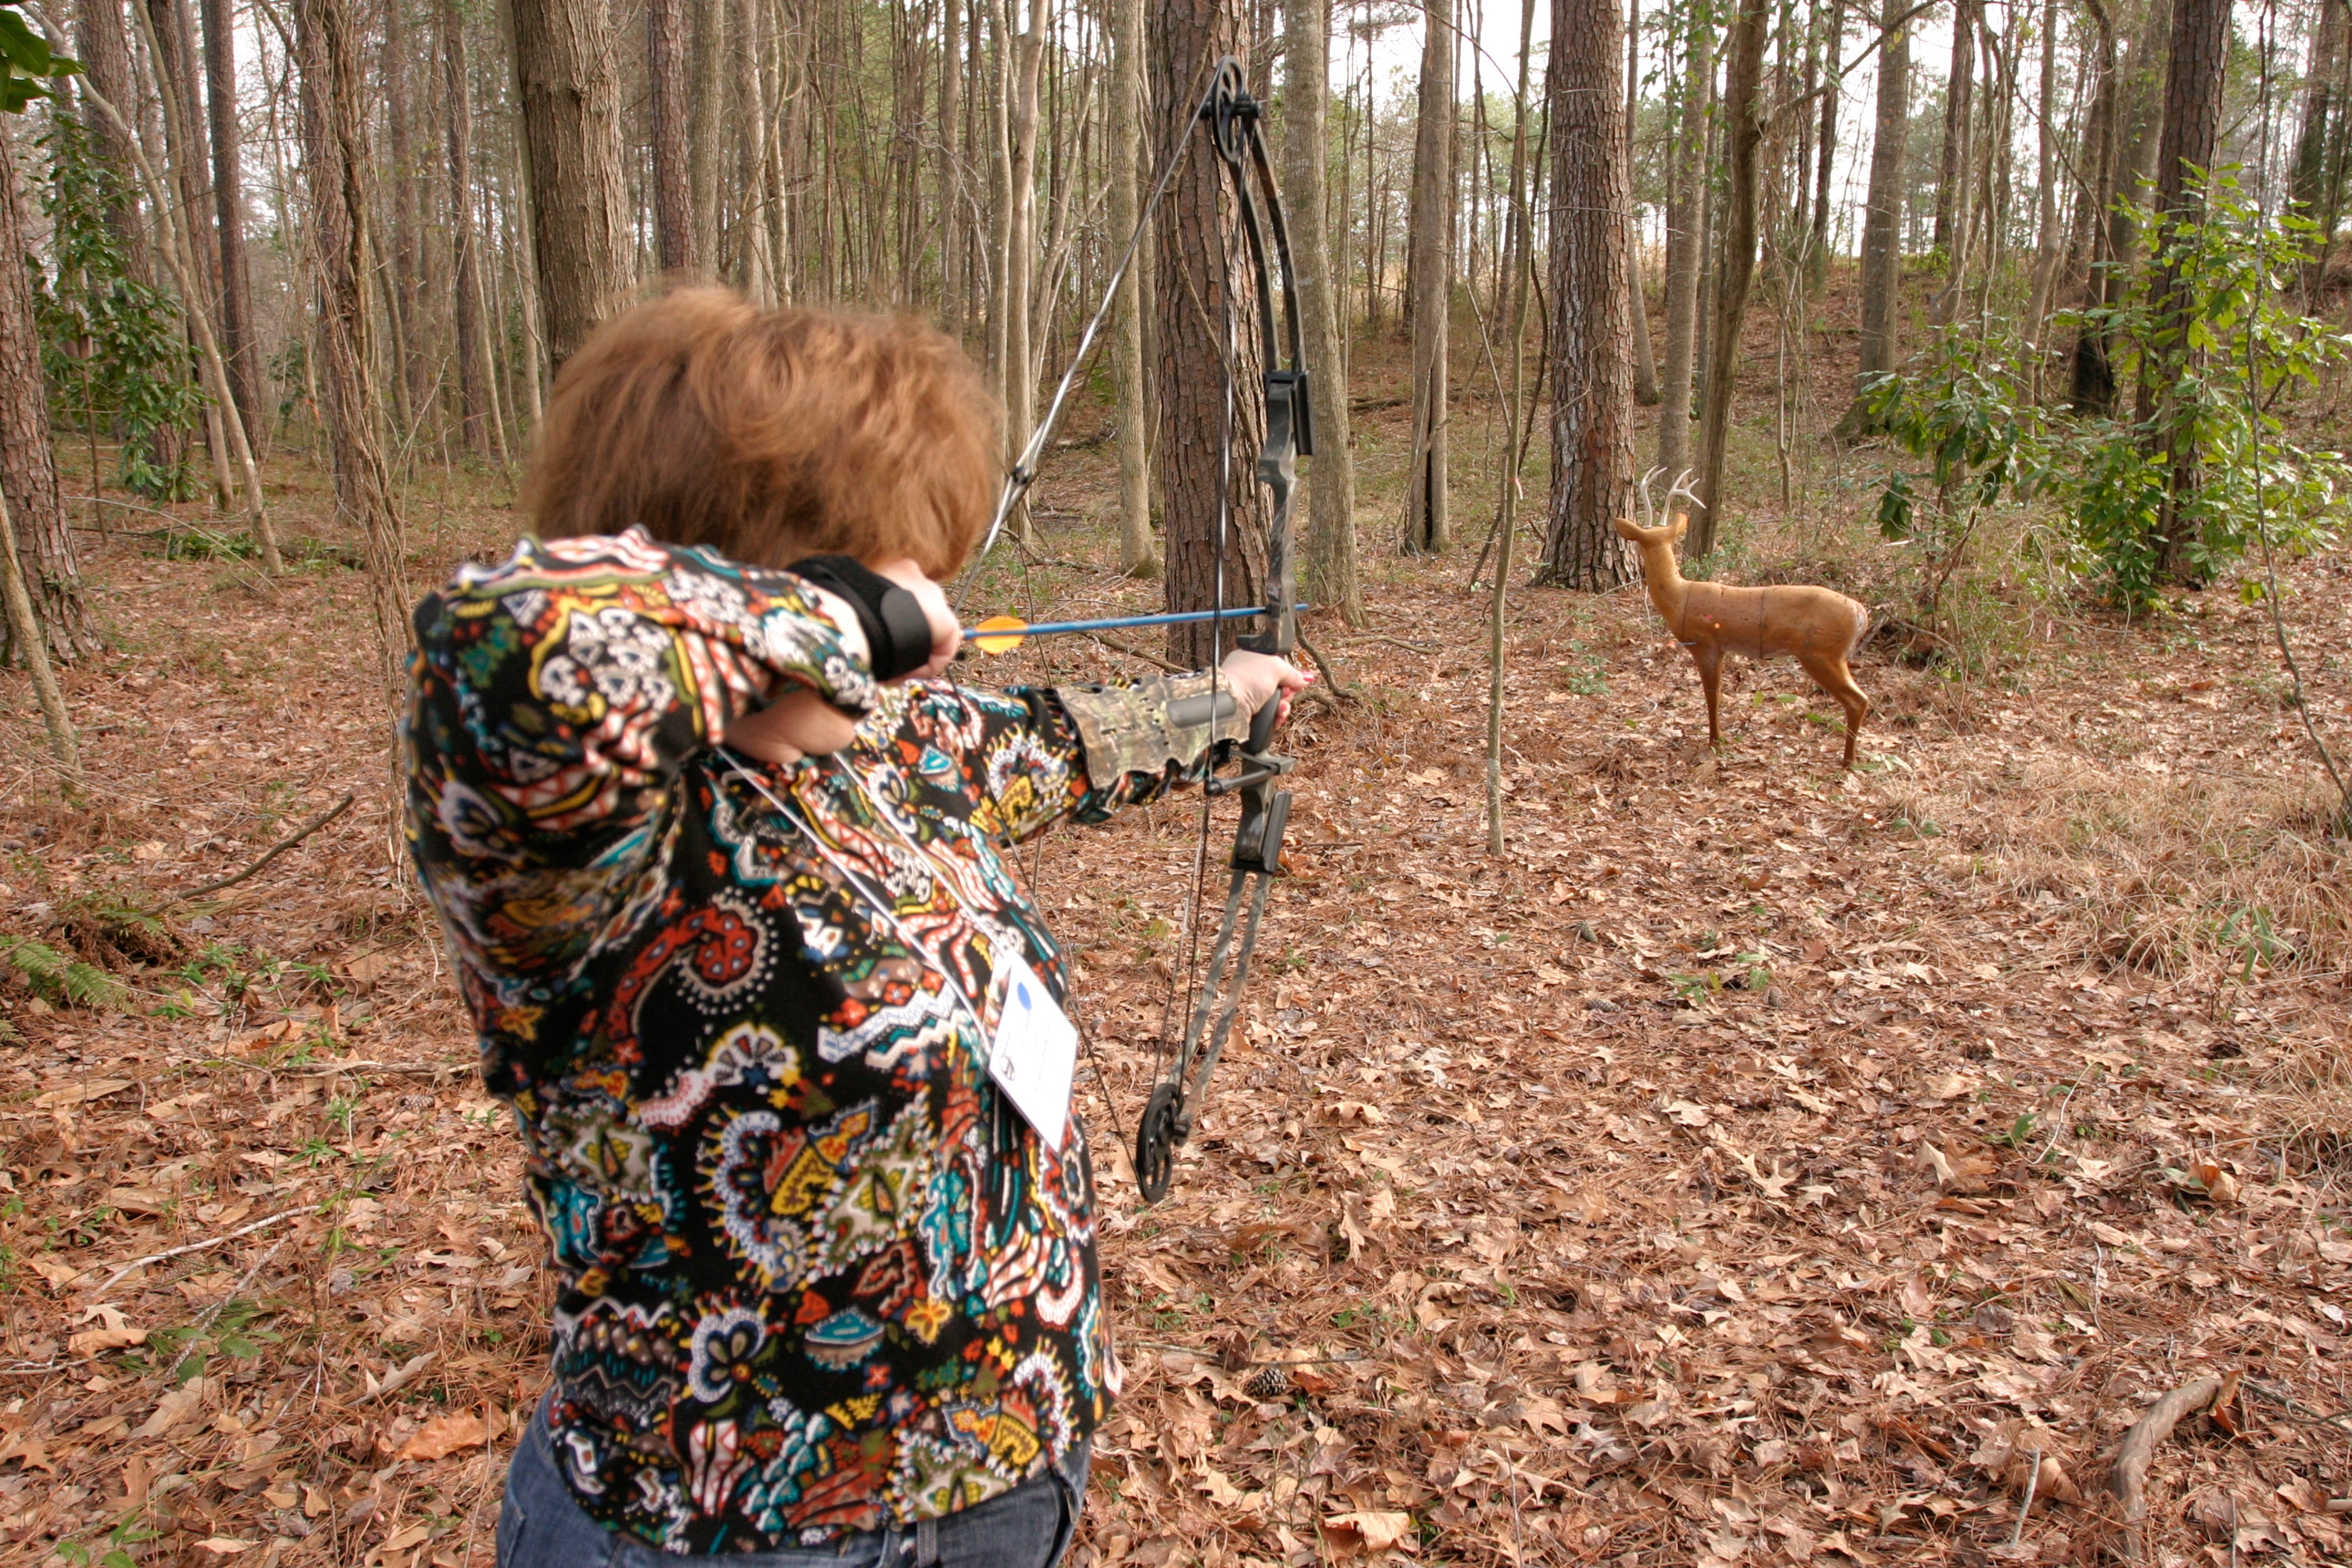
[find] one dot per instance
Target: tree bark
(22, 636)
(1645, 359)
(476, 423)
(1818, 253)
(1591, 304)
(239, 349)
(104, 50)
(1882, 223)
(1686, 201)
(669, 107)
(2141, 129)
(405, 290)
(1020, 235)
(711, 53)
(1431, 268)
(2309, 184)
(2045, 167)
(1743, 123)
(1139, 553)
(2092, 270)
(1952, 168)
(1332, 577)
(2194, 71)
(1205, 309)
(569, 86)
(335, 164)
(28, 461)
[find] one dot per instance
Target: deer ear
(1625, 526)
(1682, 525)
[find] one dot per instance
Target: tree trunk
(105, 53)
(670, 109)
(2195, 68)
(1685, 201)
(476, 420)
(2141, 129)
(1818, 252)
(173, 51)
(1205, 310)
(2092, 266)
(1743, 124)
(239, 349)
(1020, 235)
(28, 462)
(1331, 580)
(1882, 223)
(569, 86)
(2045, 167)
(1591, 303)
(335, 166)
(709, 56)
(1952, 168)
(1127, 21)
(405, 293)
(2308, 183)
(1645, 359)
(1431, 268)
(1139, 553)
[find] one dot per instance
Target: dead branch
(274, 851)
(169, 1253)
(2128, 1479)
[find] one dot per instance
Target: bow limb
(1232, 120)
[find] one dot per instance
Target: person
(718, 850)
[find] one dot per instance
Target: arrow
(1003, 634)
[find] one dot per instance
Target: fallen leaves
(446, 1434)
(113, 1331)
(1352, 1536)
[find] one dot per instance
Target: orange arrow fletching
(1006, 630)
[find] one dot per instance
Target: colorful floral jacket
(817, 1275)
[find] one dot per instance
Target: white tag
(1036, 1052)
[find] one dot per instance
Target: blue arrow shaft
(1117, 622)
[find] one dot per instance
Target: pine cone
(1267, 1382)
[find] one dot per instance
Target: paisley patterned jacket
(816, 1274)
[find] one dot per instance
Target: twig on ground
(2128, 1479)
(405, 1070)
(1400, 642)
(2033, 1483)
(1335, 681)
(168, 1254)
(274, 851)
(205, 1319)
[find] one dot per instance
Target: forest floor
(1756, 1163)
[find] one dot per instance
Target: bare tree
(1882, 223)
(28, 463)
(1743, 128)
(2194, 71)
(239, 349)
(1591, 304)
(1139, 556)
(335, 166)
(568, 81)
(1685, 199)
(670, 108)
(1209, 495)
(1332, 579)
(1645, 359)
(1431, 285)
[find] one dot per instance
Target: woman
(718, 853)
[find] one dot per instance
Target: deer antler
(1682, 488)
(1649, 506)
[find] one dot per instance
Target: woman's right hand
(797, 724)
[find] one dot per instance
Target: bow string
(1229, 119)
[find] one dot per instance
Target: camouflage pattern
(1151, 726)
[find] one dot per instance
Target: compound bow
(1229, 117)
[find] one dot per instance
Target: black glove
(897, 633)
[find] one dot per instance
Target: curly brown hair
(768, 435)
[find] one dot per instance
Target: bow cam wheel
(1155, 1144)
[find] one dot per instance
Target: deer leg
(1708, 656)
(1832, 676)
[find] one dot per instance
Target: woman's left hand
(1257, 678)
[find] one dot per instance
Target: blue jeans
(541, 1526)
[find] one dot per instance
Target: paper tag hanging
(1034, 1052)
